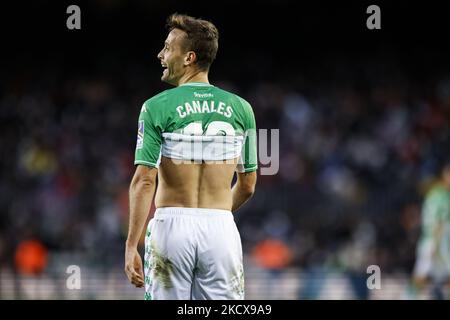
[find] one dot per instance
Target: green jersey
(436, 211)
(200, 122)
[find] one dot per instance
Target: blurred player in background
(433, 250)
(193, 137)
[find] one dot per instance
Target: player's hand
(133, 267)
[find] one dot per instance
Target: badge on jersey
(140, 135)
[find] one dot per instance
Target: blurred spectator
(31, 257)
(357, 149)
(272, 254)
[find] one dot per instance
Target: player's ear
(190, 58)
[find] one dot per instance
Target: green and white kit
(433, 252)
(197, 121)
(195, 253)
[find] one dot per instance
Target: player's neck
(199, 76)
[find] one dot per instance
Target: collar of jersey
(197, 84)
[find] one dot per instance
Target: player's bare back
(195, 185)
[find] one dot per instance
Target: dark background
(363, 118)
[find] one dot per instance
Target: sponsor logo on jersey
(203, 95)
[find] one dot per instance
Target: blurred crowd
(358, 148)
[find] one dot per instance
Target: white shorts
(193, 254)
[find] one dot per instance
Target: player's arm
(142, 190)
(438, 230)
(142, 187)
(437, 238)
(243, 189)
(433, 215)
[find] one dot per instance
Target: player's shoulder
(234, 97)
(168, 94)
(152, 101)
(156, 103)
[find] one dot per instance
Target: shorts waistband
(201, 212)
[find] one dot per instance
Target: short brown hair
(202, 37)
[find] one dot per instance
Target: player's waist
(201, 212)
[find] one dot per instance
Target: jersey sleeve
(248, 160)
(149, 135)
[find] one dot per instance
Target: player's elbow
(247, 185)
(142, 183)
(248, 191)
(144, 177)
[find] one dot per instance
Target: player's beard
(169, 76)
(165, 74)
